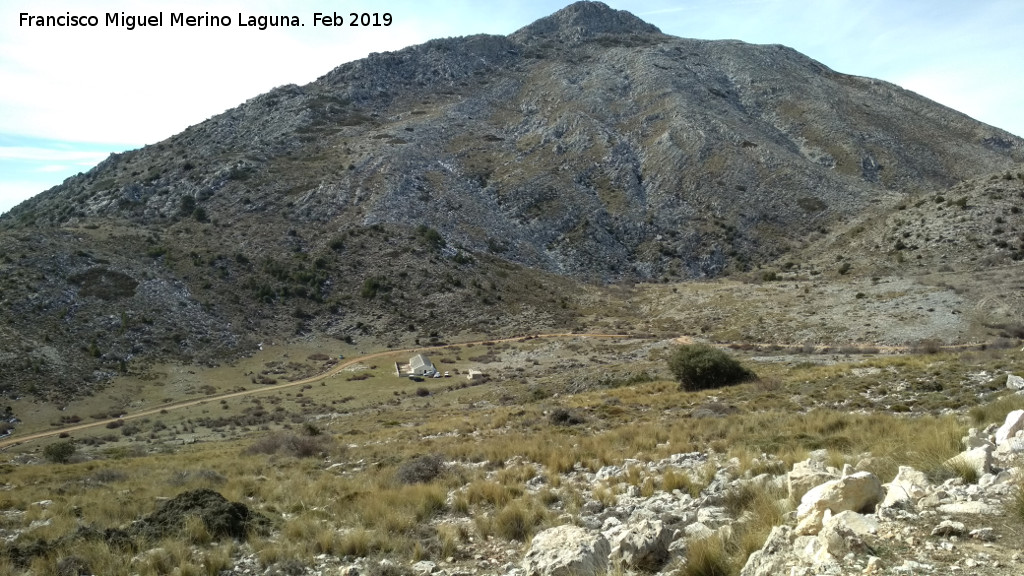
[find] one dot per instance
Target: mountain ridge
(492, 171)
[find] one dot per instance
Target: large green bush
(60, 452)
(699, 367)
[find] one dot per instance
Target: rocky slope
(676, 515)
(587, 145)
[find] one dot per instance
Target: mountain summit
(460, 175)
(582, 21)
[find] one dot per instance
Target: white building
(420, 365)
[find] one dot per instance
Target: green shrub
(60, 452)
(374, 285)
(431, 238)
(699, 367)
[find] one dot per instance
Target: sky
(69, 96)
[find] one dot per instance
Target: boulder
(774, 557)
(698, 531)
(838, 539)
(812, 552)
(1014, 423)
(806, 475)
(908, 487)
(1014, 382)
(641, 545)
(1013, 445)
(854, 523)
(857, 492)
(811, 523)
(567, 551)
(977, 459)
(975, 439)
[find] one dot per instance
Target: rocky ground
(847, 522)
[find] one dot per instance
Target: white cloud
(33, 153)
(115, 85)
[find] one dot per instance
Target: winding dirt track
(16, 440)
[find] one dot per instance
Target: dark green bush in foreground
(699, 367)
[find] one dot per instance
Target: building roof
(420, 361)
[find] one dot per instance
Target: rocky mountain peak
(583, 20)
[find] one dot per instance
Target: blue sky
(70, 96)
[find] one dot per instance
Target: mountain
(462, 184)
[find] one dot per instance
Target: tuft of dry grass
(707, 557)
(1016, 504)
(673, 479)
(995, 412)
(451, 538)
(518, 520)
(490, 492)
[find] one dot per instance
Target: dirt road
(16, 440)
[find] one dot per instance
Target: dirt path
(16, 440)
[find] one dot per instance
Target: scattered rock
(948, 528)
(912, 567)
(424, 567)
(73, 566)
(983, 534)
(968, 508)
(838, 540)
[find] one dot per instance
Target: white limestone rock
(857, 492)
(642, 545)
(774, 557)
(806, 475)
(969, 507)
(567, 551)
(977, 459)
(1014, 423)
(908, 487)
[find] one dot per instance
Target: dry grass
(1016, 507)
(707, 557)
(366, 507)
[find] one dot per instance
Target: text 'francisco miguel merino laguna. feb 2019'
(183, 20)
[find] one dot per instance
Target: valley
(698, 308)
